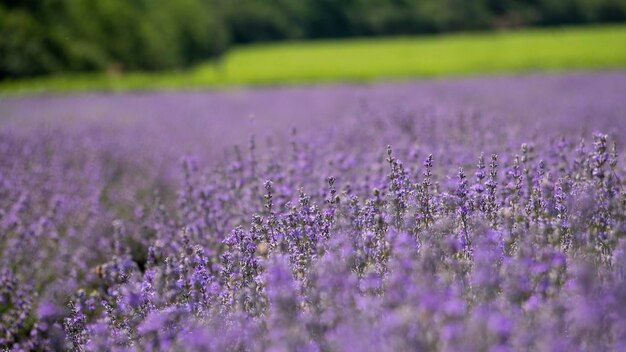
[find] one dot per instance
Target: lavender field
(475, 214)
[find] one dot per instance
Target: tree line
(39, 37)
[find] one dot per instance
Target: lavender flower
(109, 242)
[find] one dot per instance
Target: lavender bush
(417, 226)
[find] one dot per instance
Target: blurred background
(233, 39)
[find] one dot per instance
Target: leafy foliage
(114, 35)
(42, 37)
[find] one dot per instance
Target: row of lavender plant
(307, 248)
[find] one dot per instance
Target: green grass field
(556, 49)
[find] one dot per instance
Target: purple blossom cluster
(381, 234)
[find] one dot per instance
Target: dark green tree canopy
(40, 37)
